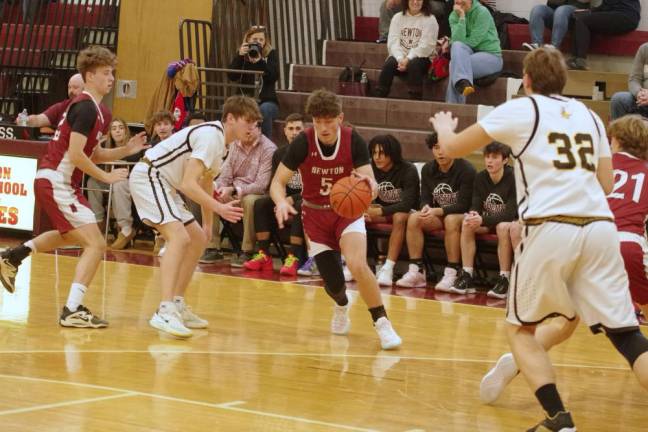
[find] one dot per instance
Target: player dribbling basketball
(324, 154)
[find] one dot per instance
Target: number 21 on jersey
(621, 178)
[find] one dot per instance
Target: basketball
(350, 197)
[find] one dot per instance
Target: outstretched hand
(283, 211)
(137, 143)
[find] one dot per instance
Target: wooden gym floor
(268, 362)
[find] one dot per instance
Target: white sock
(75, 298)
(30, 244)
(469, 270)
(506, 274)
(179, 301)
(413, 268)
(167, 307)
(451, 271)
(389, 264)
(126, 230)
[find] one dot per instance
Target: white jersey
(205, 142)
(557, 143)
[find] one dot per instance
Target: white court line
(228, 406)
(63, 404)
(313, 354)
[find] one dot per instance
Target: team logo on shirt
(387, 193)
(444, 195)
(494, 205)
(410, 37)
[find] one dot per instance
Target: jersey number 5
(567, 154)
(327, 184)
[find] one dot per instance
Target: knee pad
(328, 264)
(631, 344)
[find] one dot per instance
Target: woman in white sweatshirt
(412, 39)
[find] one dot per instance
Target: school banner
(17, 192)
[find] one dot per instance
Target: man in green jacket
(475, 48)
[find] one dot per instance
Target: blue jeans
(622, 103)
(469, 65)
(556, 19)
(269, 111)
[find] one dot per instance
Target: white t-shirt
(205, 142)
(557, 143)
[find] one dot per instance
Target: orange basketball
(350, 197)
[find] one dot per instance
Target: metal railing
(215, 87)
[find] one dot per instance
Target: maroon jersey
(58, 158)
(319, 173)
(629, 199)
(55, 113)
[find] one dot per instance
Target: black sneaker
(211, 256)
(464, 87)
(577, 63)
(561, 422)
(7, 272)
(463, 284)
(81, 318)
(500, 289)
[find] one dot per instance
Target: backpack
(501, 20)
(350, 81)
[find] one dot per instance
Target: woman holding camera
(256, 53)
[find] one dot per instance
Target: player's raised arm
(456, 145)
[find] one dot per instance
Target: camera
(255, 49)
(432, 139)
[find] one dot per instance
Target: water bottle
(363, 78)
(21, 120)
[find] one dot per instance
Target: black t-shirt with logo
(495, 202)
(452, 190)
(398, 188)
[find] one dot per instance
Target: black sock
(18, 254)
(299, 251)
(455, 266)
(377, 312)
(264, 245)
(418, 262)
(550, 400)
(340, 298)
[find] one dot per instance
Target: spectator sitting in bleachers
(266, 61)
(612, 17)
(412, 39)
(556, 15)
(446, 191)
(634, 101)
(398, 194)
(264, 217)
(493, 210)
(475, 50)
(245, 176)
(388, 8)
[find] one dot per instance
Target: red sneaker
(290, 266)
(259, 262)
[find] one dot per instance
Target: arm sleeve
(359, 150)
(296, 153)
(276, 158)
(393, 40)
(410, 194)
(428, 41)
(498, 124)
(426, 193)
(237, 63)
(483, 23)
(82, 117)
(262, 180)
(271, 70)
(635, 81)
(478, 195)
(465, 192)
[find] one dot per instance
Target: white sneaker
(447, 281)
(530, 46)
(170, 322)
(412, 279)
(388, 337)
(189, 317)
(341, 323)
(385, 276)
(348, 277)
(496, 380)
